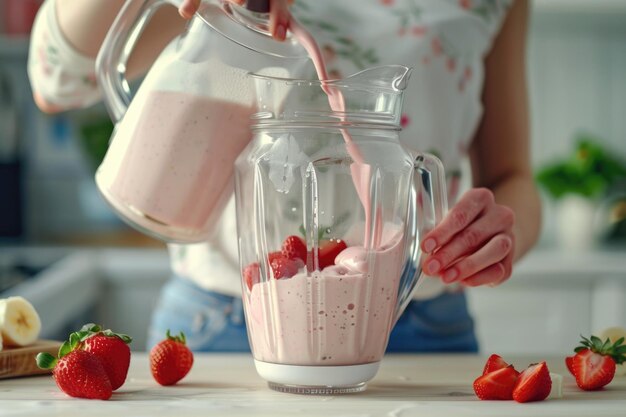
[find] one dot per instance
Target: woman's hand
(279, 14)
(473, 245)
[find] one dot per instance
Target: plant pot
(575, 219)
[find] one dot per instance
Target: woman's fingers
(493, 252)
(492, 275)
(279, 14)
(279, 18)
(460, 216)
(497, 219)
(189, 8)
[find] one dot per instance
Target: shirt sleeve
(60, 74)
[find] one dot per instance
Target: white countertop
(426, 385)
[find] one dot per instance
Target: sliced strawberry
(328, 251)
(251, 275)
(593, 366)
(569, 363)
(274, 255)
(294, 248)
(494, 363)
(496, 385)
(533, 384)
(283, 267)
(592, 370)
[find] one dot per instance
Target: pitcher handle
(428, 204)
(117, 47)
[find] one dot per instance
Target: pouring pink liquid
(361, 171)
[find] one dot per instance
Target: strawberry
(328, 251)
(170, 359)
(533, 384)
(294, 248)
(593, 365)
(496, 385)
(112, 350)
(274, 255)
(77, 373)
(251, 275)
(494, 363)
(569, 362)
(283, 267)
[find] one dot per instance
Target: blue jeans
(214, 322)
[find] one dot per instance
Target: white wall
(577, 79)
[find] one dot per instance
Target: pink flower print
(404, 120)
(461, 85)
(418, 31)
(465, 4)
(402, 31)
(334, 74)
(436, 46)
(91, 80)
(467, 73)
(328, 52)
(386, 2)
(451, 64)
(425, 60)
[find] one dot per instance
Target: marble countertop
(222, 384)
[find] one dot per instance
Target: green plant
(94, 136)
(588, 172)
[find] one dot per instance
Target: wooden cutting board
(20, 361)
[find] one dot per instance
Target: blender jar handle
(428, 204)
(117, 47)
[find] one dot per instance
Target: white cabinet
(550, 301)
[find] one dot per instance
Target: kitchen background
(62, 248)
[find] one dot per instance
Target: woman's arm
(496, 223)
(85, 23)
(500, 153)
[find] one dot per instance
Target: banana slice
(19, 322)
(557, 386)
(614, 334)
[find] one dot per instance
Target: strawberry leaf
(91, 327)
(180, 338)
(65, 349)
(74, 340)
(45, 360)
(110, 333)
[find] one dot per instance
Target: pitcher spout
(394, 77)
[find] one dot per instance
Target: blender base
(317, 380)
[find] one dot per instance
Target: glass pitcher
(168, 170)
(330, 211)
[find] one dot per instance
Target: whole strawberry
(170, 359)
(76, 372)
(294, 248)
(593, 365)
(112, 350)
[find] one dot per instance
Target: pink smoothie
(174, 162)
(339, 316)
